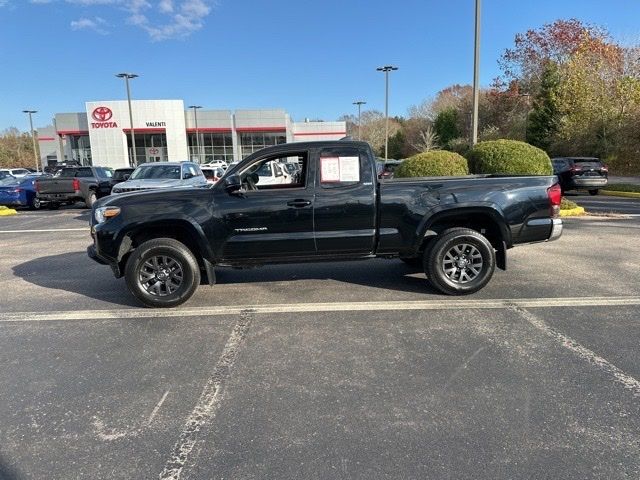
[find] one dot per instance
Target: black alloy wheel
(162, 272)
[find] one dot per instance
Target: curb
(572, 212)
(5, 212)
(613, 193)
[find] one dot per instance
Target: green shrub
(567, 204)
(435, 163)
(509, 157)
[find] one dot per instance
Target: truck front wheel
(162, 273)
(461, 261)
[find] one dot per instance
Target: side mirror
(126, 176)
(233, 183)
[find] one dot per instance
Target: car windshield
(156, 172)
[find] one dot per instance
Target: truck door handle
(299, 203)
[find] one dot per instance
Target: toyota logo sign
(102, 114)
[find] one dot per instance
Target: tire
(91, 199)
(171, 259)
(53, 206)
(35, 203)
(593, 191)
(446, 250)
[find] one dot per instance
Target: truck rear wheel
(91, 199)
(162, 273)
(461, 261)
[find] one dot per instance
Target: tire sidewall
(435, 270)
(190, 269)
(91, 199)
(36, 204)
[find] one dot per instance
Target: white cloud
(4, 3)
(97, 24)
(161, 19)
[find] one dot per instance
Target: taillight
(604, 168)
(37, 186)
(76, 184)
(555, 198)
(576, 168)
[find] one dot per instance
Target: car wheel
(593, 192)
(53, 206)
(162, 273)
(91, 199)
(35, 203)
(461, 261)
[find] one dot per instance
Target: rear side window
(84, 173)
(343, 166)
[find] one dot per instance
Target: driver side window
(269, 173)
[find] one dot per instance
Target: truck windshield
(156, 172)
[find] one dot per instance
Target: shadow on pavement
(7, 472)
(76, 273)
(378, 273)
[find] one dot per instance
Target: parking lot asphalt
(334, 370)
(606, 204)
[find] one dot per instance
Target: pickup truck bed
(458, 228)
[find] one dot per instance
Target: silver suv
(162, 175)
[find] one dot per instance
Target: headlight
(105, 213)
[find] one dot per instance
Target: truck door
(270, 220)
(345, 203)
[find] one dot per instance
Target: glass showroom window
(254, 141)
(80, 149)
(213, 146)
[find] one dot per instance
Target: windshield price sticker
(339, 169)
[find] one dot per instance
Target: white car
(16, 172)
(216, 164)
(272, 173)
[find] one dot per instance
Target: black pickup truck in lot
(457, 228)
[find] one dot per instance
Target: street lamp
(476, 77)
(33, 137)
(359, 103)
(126, 77)
(195, 116)
(386, 69)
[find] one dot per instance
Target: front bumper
(92, 253)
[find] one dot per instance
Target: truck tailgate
(55, 185)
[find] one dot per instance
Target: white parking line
(626, 380)
(208, 403)
(446, 304)
(43, 230)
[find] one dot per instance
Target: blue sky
(312, 58)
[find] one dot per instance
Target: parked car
(270, 173)
(388, 168)
(72, 184)
(458, 228)
(151, 176)
(119, 175)
(21, 192)
(16, 172)
(581, 173)
(6, 178)
(212, 174)
(293, 169)
(216, 164)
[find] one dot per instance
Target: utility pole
(195, 117)
(126, 77)
(359, 103)
(386, 69)
(33, 138)
(476, 77)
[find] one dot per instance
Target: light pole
(126, 77)
(33, 137)
(195, 117)
(476, 77)
(359, 103)
(386, 69)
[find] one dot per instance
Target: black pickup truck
(457, 228)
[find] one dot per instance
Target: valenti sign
(102, 117)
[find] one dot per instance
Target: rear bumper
(556, 229)
(58, 197)
(588, 182)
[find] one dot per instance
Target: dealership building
(165, 131)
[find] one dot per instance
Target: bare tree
(428, 140)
